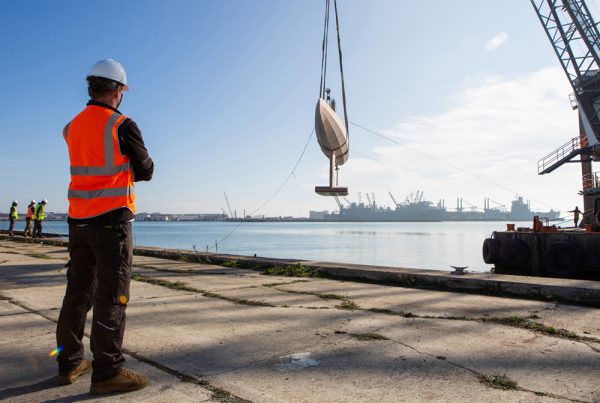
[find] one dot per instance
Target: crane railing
(559, 156)
(591, 181)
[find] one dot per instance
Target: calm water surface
(419, 245)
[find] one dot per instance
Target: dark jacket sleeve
(131, 144)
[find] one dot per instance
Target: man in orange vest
(107, 155)
(29, 218)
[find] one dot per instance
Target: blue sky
(224, 92)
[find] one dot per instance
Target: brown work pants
(99, 274)
(11, 226)
(27, 231)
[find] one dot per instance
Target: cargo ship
(416, 209)
(519, 211)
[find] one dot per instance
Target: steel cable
(275, 193)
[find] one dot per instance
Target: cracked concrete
(248, 350)
(29, 374)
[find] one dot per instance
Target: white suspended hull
(331, 133)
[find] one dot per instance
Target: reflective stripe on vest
(101, 176)
(100, 171)
(93, 194)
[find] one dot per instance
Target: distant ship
(519, 211)
(415, 209)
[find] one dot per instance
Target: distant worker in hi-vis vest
(13, 216)
(39, 215)
(107, 155)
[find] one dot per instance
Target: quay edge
(580, 292)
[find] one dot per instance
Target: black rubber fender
(563, 258)
(514, 252)
(490, 250)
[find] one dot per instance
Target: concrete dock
(209, 332)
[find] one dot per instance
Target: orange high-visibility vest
(30, 211)
(101, 177)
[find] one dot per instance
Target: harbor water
(434, 245)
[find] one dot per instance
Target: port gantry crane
(576, 41)
(393, 199)
(371, 202)
(228, 205)
(338, 202)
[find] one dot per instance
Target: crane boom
(339, 203)
(228, 205)
(224, 213)
(576, 42)
(393, 199)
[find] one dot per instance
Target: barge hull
(566, 254)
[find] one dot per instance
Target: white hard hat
(111, 69)
(15, 202)
(45, 201)
(32, 201)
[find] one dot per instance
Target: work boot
(83, 368)
(126, 381)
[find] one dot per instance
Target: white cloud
(494, 131)
(496, 41)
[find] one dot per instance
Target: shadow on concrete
(28, 275)
(253, 338)
(207, 337)
(78, 398)
(48, 383)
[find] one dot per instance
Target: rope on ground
(53, 231)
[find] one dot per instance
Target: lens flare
(123, 299)
(56, 351)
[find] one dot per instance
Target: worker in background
(13, 216)
(39, 215)
(29, 219)
(576, 214)
(107, 155)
